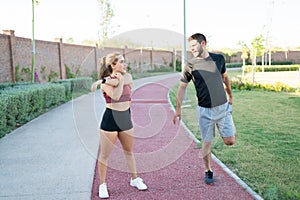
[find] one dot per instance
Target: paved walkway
(54, 156)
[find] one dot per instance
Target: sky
(224, 23)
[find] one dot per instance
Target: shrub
(20, 104)
(68, 88)
(234, 65)
(78, 84)
(53, 76)
(3, 113)
(272, 68)
(94, 75)
(69, 73)
(239, 84)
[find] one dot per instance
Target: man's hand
(179, 98)
(177, 115)
(230, 100)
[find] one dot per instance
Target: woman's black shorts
(114, 120)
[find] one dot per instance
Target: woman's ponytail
(106, 64)
(105, 68)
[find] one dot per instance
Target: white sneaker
(103, 191)
(138, 183)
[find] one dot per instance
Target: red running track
(168, 160)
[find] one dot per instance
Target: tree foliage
(105, 16)
(257, 46)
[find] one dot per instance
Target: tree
(228, 53)
(105, 16)
(257, 47)
(257, 50)
(69, 40)
(245, 54)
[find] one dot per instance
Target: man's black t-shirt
(207, 77)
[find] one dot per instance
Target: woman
(116, 121)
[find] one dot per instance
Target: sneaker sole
(209, 183)
(106, 197)
(138, 188)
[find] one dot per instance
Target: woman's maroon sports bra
(126, 95)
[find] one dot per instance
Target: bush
(272, 68)
(68, 88)
(278, 63)
(3, 113)
(238, 84)
(234, 65)
(178, 65)
(4, 86)
(22, 103)
(78, 84)
(94, 75)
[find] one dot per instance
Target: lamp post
(183, 59)
(33, 44)
(184, 40)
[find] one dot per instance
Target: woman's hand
(117, 76)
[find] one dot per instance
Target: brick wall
(81, 60)
(5, 65)
(84, 60)
(292, 56)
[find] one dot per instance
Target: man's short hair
(197, 36)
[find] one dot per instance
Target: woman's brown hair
(106, 64)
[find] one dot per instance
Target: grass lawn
(267, 153)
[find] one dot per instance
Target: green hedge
(22, 102)
(272, 68)
(4, 86)
(278, 63)
(68, 88)
(3, 113)
(78, 84)
(234, 65)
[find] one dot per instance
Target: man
(208, 73)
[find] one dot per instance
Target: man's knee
(229, 141)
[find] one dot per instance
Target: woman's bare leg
(126, 138)
(107, 141)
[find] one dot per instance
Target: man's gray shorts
(221, 116)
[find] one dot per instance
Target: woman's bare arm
(112, 91)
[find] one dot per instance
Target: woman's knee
(127, 151)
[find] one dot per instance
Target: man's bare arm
(227, 86)
(179, 99)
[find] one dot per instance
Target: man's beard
(200, 51)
